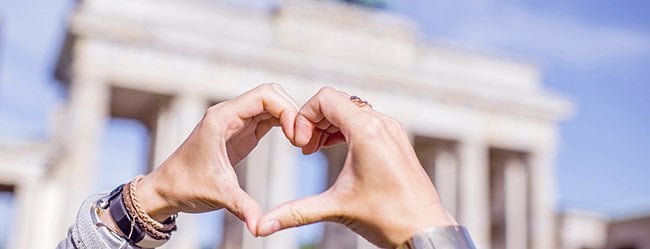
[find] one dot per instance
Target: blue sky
(597, 53)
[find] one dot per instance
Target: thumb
(299, 212)
(245, 208)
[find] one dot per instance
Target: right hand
(382, 192)
(199, 176)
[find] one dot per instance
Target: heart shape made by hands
(381, 176)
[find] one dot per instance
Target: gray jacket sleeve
(88, 232)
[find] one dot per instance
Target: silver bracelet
(449, 237)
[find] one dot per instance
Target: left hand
(199, 176)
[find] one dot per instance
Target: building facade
(484, 127)
(585, 230)
(629, 233)
(581, 230)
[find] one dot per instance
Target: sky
(595, 53)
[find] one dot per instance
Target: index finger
(266, 98)
(328, 104)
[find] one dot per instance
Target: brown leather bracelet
(166, 226)
(148, 228)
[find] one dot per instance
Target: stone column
(71, 178)
(427, 154)
(337, 236)
(271, 180)
(542, 199)
(174, 123)
(89, 109)
(49, 226)
(232, 227)
(27, 204)
(257, 167)
(446, 179)
(516, 203)
(474, 186)
(439, 161)
(185, 111)
(162, 140)
(282, 186)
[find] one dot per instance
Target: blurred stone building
(484, 127)
(629, 233)
(584, 230)
(581, 230)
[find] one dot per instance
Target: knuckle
(239, 207)
(337, 196)
(220, 115)
(238, 211)
(324, 94)
(214, 112)
(265, 87)
(274, 85)
(216, 108)
(297, 217)
(326, 90)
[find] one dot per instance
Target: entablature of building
(194, 37)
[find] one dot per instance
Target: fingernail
(269, 227)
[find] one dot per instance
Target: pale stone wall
(629, 232)
(22, 166)
(579, 230)
(180, 56)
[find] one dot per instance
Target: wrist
(155, 199)
(435, 216)
(428, 217)
(119, 214)
(412, 219)
(440, 217)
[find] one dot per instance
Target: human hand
(199, 176)
(382, 192)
